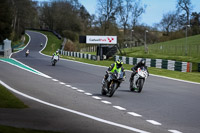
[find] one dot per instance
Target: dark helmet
(119, 63)
(143, 62)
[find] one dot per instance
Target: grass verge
(170, 50)
(8, 129)
(53, 43)
(8, 100)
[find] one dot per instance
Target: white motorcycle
(139, 79)
(54, 60)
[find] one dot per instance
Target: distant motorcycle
(54, 60)
(112, 83)
(140, 78)
(27, 53)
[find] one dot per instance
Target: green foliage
(5, 20)
(8, 100)
(53, 43)
(63, 17)
(70, 35)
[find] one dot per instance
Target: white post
(145, 45)
(7, 48)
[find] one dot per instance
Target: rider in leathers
(56, 54)
(115, 66)
(140, 64)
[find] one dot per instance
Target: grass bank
(171, 50)
(18, 45)
(194, 76)
(53, 43)
(8, 100)
(8, 129)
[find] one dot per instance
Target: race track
(164, 105)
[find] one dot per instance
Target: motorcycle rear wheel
(131, 86)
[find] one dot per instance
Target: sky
(154, 10)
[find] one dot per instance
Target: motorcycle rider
(115, 66)
(27, 52)
(140, 64)
(56, 54)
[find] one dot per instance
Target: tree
(107, 12)
(195, 23)
(185, 5)
(124, 12)
(15, 17)
(60, 16)
(85, 18)
(137, 11)
(169, 22)
(5, 20)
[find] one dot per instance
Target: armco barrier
(78, 55)
(159, 63)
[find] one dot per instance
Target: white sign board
(101, 39)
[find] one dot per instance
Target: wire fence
(177, 50)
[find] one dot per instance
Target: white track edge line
(174, 131)
(106, 102)
(154, 122)
(134, 114)
(73, 111)
(119, 107)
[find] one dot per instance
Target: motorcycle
(112, 83)
(54, 60)
(27, 53)
(140, 78)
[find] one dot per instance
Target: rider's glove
(124, 77)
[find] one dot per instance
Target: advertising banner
(101, 39)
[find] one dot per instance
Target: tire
(103, 92)
(53, 63)
(131, 86)
(113, 89)
(141, 83)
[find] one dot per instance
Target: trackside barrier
(159, 63)
(78, 55)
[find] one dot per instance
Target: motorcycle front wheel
(103, 91)
(140, 84)
(53, 62)
(112, 89)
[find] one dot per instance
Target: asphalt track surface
(174, 105)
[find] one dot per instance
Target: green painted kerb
(9, 60)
